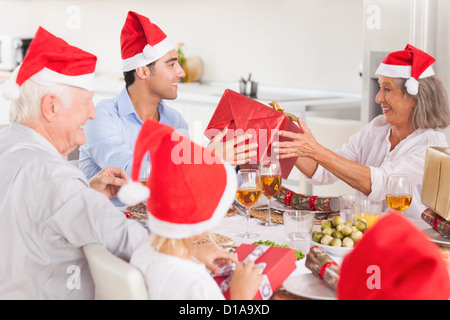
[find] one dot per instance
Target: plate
(436, 237)
(215, 238)
(335, 251)
(309, 286)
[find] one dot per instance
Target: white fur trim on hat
(49, 77)
(133, 193)
(395, 71)
(148, 55)
(182, 231)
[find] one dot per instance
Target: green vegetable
(361, 224)
(346, 231)
(326, 239)
(298, 253)
(336, 242)
(337, 235)
(317, 236)
(356, 236)
(337, 221)
(326, 224)
(348, 243)
(327, 231)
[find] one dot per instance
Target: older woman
(414, 104)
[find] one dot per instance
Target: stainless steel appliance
(12, 51)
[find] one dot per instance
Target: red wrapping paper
(280, 263)
(237, 111)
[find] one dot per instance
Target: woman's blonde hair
(432, 109)
(181, 247)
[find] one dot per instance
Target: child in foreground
(187, 198)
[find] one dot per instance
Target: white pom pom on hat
(133, 193)
(412, 86)
(411, 63)
(10, 90)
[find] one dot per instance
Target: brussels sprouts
(340, 227)
(326, 239)
(347, 242)
(317, 236)
(346, 231)
(327, 231)
(349, 223)
(361, 224)
(337, 234)
(356, 236)
(326, 224)
(337, 221)
(336, 242)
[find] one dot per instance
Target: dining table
(311, 287)
(301, 284)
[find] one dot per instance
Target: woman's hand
(301, 144)
(245, 281)
(210, 254)
(108, 181)
(230, 151)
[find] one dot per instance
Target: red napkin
(237, 111)
(394, 261)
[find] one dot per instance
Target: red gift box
(278, 264)
(237, 111)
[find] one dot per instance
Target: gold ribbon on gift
(278, 108)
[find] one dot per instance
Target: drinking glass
(270, 172)
(298, 224)
(248, 194)
(368, 210)
(399, 192)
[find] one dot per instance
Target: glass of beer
(248, 194)
(270, 171)
(399, 192)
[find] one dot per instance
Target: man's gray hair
(29, 103)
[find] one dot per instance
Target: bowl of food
(338, 237)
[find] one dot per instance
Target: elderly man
(48, 210)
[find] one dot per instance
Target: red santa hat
(394, 261)
(412, 64)
(142, 42)
(190, 189)
(51, 60)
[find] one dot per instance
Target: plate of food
(215, 238)
(337, 237)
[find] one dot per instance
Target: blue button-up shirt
(111, 136)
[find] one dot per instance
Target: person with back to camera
(414, 104)
(186, 200)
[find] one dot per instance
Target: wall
(292, 43)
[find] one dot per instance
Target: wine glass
(399, 192)
(248, 194)
(270, 172)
